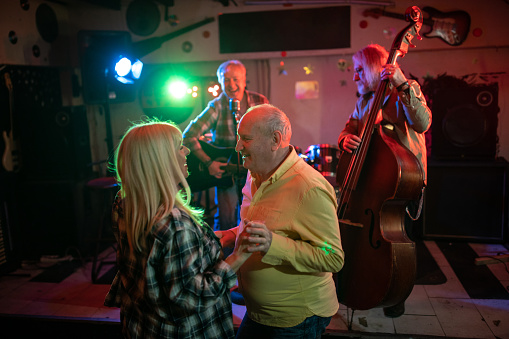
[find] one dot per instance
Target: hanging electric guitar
(451, 27)
(199, 178)
(10, 156)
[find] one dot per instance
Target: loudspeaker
(465, 123)
(52, 142)
(466, 201)
(55, 144)
(51, 217)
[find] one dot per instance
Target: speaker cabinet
(51, 217)
(466, 201)
(56, 144)
(465, 123)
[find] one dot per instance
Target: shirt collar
(290, 160)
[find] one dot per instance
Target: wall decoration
(13, 38)
(282, 70)
(187, 46)
(306, 90)
(389, 33)
(477, 32)
(342, 65)
(451, 27)
(172, 20)
(36, 51)
(308, 69)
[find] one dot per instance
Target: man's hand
(351, 142)
(215, 169)
(260, 237)
(393, 74)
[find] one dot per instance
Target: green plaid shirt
(178, 288)
(218, 119)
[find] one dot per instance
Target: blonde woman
(172, 281)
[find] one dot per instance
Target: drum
(324, 158)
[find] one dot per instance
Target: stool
(107, 187)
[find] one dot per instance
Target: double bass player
(404, 111)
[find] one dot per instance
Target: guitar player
(219, 118)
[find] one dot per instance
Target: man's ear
(277, 140)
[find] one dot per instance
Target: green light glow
(328, 249)
(177, 89)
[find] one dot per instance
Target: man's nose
(356, 77)
(238, 146)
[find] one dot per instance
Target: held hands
(393, 74)
(215, 169)
(255, 238)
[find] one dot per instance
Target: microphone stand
(235, 108)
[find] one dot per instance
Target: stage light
(123, 67)
(177, 89)
(107, 67)
(126, 71)
(214, 90)
(136, 69)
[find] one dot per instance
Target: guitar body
(7, 156)
(451, 27)
(199, 178)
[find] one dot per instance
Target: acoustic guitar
(450, 27)
(199, 178)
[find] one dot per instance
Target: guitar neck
(428, 22)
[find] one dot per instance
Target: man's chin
(245, 163)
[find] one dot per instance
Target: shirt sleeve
(351, 127)
(197, 127)
(319, 247)
(416, 110)
(194, 277)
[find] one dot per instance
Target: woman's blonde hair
(151, 180)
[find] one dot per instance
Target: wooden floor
(444, 310)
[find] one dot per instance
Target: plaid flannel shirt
(218, 119)
(178, 288)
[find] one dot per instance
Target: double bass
(376, 182)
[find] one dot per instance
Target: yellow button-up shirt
(293, 280)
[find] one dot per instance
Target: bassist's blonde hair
(372, 58)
